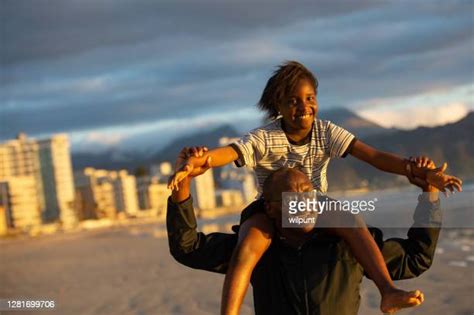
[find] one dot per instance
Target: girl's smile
(300, 108)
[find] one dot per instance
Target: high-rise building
(106, 193)
(57, 180)
(20, 157)
(3, 221)
(240, 178)
(20, 202)
(229, 197)
(203, 191)
(125, 191)
(161, 171)
(152, 194)
(49, 163)
(96, 194)
(158, 195)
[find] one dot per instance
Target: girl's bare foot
(395, 299)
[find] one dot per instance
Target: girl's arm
(218, 157)
(392, 163)
(383, 161)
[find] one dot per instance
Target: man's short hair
(270, 191)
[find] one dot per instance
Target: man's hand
(180, 191)
(420, 161)
(423, 161)
(186, 169)
(432, 191)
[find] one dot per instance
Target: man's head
(280, 181)
(291, 92)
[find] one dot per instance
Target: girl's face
(299, 109)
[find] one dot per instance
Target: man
(304, 271)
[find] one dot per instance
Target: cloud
(90, 85)
(79, 26)
(437, 107)
(102, 138)
(95, 65)
(410, 118)
(150, 136)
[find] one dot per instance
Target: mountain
(110, 160)
(209, 139)
(451, 143)
(116, 159)
(353, 122)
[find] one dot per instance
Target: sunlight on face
(300, 108)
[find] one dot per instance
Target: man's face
(294, 181)
(300, 107)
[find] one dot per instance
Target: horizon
(105, 149)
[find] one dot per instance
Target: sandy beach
(128, 270)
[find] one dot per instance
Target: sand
(128, 270)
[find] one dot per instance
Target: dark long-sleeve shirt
(321, 277)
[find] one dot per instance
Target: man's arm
(410, 257)
(188, 246)
(195, 249)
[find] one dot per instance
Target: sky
(137, 74)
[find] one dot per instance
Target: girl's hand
(435, 176)
(178, 176)
(442, 181)
(185, 168)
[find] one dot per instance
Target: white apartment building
(20, 157)
(49, 163)
(20, 202)
(107, 192)
(57, 180)
(96, 196)
(161, 171)
(125, 191)
(240, 178)
(203, 191)
(152, 194)
(3, 221)
(229, 197)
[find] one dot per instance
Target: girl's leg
(255, 235)
(368, 254)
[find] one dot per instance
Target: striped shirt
(266, 149)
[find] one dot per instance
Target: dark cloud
(52, 29)
(80, 65)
